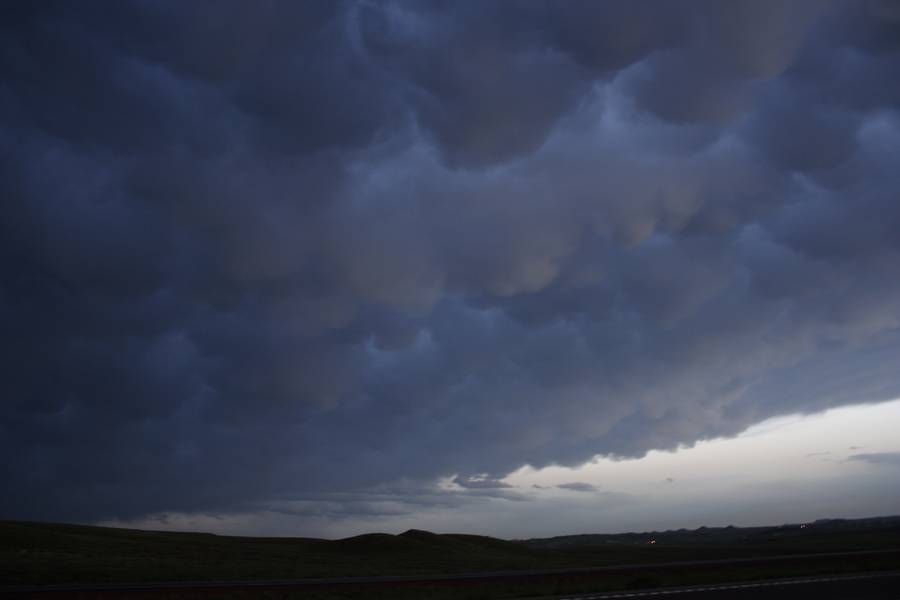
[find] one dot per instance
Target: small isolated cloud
(577, 486)
(855, 448)
(540, 487)
(815, 454)
(670, 480)
(480, 482)
(499, 494)
(891, 459)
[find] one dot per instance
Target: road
(868, 586)
(862, 586)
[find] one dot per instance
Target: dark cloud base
(255, 252)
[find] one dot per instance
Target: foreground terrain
(72, 555)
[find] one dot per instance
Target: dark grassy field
(51, 553)
(35, 553)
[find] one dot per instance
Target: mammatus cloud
(322, 247)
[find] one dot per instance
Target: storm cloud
(252, 252)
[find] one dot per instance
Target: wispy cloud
(890, 459)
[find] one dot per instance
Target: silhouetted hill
(47, 552)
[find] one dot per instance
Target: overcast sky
(317, 268)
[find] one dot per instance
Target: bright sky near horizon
(842, 463)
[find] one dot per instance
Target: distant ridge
(722, 535)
